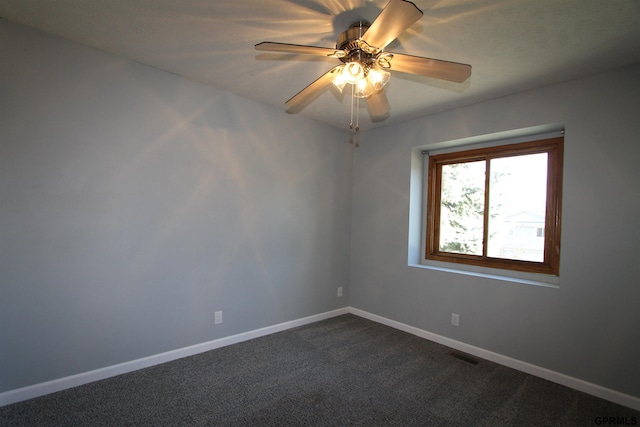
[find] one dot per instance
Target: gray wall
(135, 203)
(588, 326)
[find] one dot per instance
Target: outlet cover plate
(455, 319)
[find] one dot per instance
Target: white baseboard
(36, 390)
(556, 377)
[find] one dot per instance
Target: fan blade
(436, 68)
(301, 49)
(309, 93)
(378, 104)
(397, 16)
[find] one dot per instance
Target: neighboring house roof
(525, 216)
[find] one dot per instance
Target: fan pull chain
(353, 140)
(352, 96)
(357, 107)
(357, 114)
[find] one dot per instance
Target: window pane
(517, 205)
(462, 207)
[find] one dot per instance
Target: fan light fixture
(367, 81)
(378, 77)
(353, 72)
(365, 66)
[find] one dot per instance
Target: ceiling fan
(365, 64)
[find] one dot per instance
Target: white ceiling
(512, 45)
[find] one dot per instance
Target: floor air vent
(464, 357)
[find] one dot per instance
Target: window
(497, 207)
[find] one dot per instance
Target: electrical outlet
(340, 291)
(455, 319)
(218, 317)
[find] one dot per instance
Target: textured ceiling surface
(512, 45)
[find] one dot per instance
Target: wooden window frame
(551, 263)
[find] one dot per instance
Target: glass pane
(462, 208)
(517, 206)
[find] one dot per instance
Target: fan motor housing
(349, 41)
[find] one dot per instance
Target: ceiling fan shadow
(315, 6)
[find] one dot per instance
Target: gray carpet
(337, 372)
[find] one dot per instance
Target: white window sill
(491, 273)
